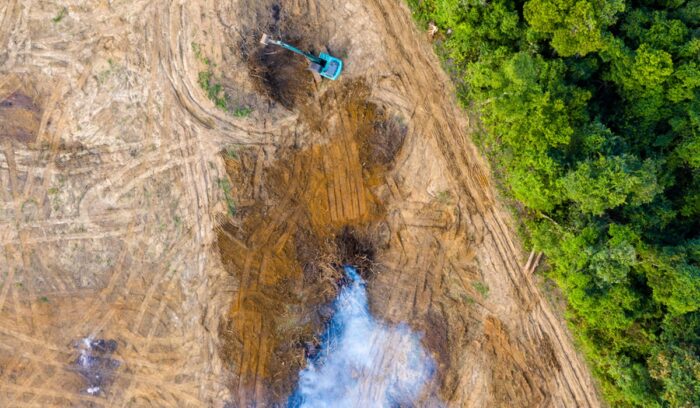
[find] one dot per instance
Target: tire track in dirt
(25, 196)
(19, 202)
(8, 12)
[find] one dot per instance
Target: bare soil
(202, 245)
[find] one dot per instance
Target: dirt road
(114, 193)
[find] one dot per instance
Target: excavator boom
(326, 65)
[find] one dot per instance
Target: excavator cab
(331, 68)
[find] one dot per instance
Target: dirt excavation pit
(281, 75)
(277, 73)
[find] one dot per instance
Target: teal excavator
(326, 65)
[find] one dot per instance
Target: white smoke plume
(363, 362)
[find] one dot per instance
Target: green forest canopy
(591, 112)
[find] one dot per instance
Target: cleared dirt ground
(195, 248)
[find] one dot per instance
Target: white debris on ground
(95, 363)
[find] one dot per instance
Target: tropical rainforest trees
(591, 116)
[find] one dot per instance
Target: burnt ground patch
(356, 248)
(20, 117)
